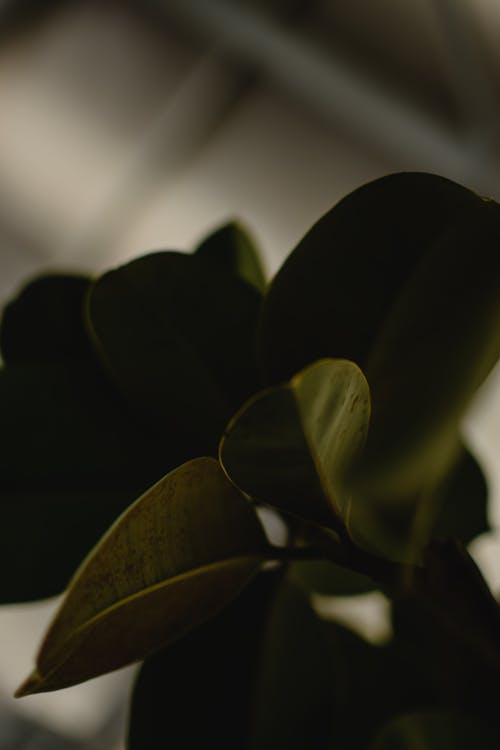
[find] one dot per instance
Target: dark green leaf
(231, 247)
(71, 460)
(324, 577)
(180, 553)
(453, 506)
(462, 512)
(447, 628)
(45, 321)
(432, 352)
(401, 276)
(337, 287)
(436, 730)
(177, 337)
(370, 684)
(295, 697)
(322, 686)
(200, 691)
(291, 445)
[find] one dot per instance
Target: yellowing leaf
(175, 557)
(291, 445)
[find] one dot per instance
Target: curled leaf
(291, 445)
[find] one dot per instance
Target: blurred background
(128, 126)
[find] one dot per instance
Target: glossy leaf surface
(291, 445)
(232, 247)
(177, 337)
(176, 556)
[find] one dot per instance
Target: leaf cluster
(150, 414)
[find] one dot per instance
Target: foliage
(332, 396)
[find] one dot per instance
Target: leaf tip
(31, 684)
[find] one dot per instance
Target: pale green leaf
(291, 445)
(175, 557)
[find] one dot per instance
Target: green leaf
(436, 730)
(433, 351)
(335, 290)
(295, 699)
(177, 337)
(231, 247)
(291, 445)
(447, 628)
(175, 557)
(186, 686)
(72, 460)
(284, 678)
(402, 276)
(324, 577)
(401, 527)
(45, 321)
(369, 685)
(463, 502)
(317, 679)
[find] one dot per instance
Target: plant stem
(394, 575)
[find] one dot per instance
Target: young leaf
(175, 557)
(177, 336)
(231, 247)
(291, 445)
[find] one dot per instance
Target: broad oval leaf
(72, 454)
(401, 276)
(177, 337)
(336, 288)
(176, 556)
(231, 247)
(290, 446)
